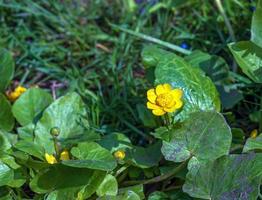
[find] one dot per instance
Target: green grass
(75, 44)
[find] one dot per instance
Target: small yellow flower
(164, 99)
(12, 96)
(64, 155)
(254, 133)
(120, 154)
(50, 159)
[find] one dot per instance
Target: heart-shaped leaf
(203, 136)
(67, 114)
(199, 91)
(91, 155)
(30, 105)
(256, 28)
(229, 177)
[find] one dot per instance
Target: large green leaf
(203, 136)
(108, 187)
(91, 155)
(4, 142)
(68, 114)
(7, 67)
(30, 105)
(199, 91)
(6, 174)
(214, 66)
(256, 28)
(249, 57)
(6, 117)
(142, 157)
(229, 177)
(253, 144)
(59, 177)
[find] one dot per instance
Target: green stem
(152, 39)
(56, 145)
(260, 118)
(158, 178)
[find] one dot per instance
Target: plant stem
(260, 118)
(158, 178)
(152, 39)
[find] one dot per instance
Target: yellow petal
(167, 87)
(158, 112)
(161, 89)
(120, 154)
(178, 104)
(254, 133)
(170, 110)
(64, 155)
(151, 95)
(50, 158)
(177, 93)
(152, 106)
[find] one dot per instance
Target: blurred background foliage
(66, 45)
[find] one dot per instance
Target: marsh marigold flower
(254, 133)
(64, 155)
(50, 158)
(120, 154)
(163, 99)
(14, 95)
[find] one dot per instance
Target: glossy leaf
(214, 66)
(91, 155)
(253, 144)
(199, 91)
(229, 177)
(109, 186)
(30, 105)
(256, 28)
(6, 174)
(6, 117)
(7, 67)
(68, 114)
(203, 136)
(249, 57)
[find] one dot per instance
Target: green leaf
(214, 66)
(229, 177)
(6, 174)
(157, 195)
(115, 141)
(4, 142)
(68, 114)
(256, 29)
(59, 177)
(253, 144)
(249, 57)
(7, 67)
(91, 155)
(203, 136)
(145, 116)
(142, 157)
(108, 187)
(199, 91)
(30, 105)
(6, 117)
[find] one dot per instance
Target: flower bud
(55, 131)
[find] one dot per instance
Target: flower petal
(151, 95)
(158, 112)
(160, 89)
(178, 104)
(152, 106)
(167, 87)
(177, 93)
(170, 110)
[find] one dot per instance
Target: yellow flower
(254, 133)
(50, 159)
(12, 96)
(64, 155)
(164, 99)
(120, 154)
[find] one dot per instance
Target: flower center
(164, 100)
